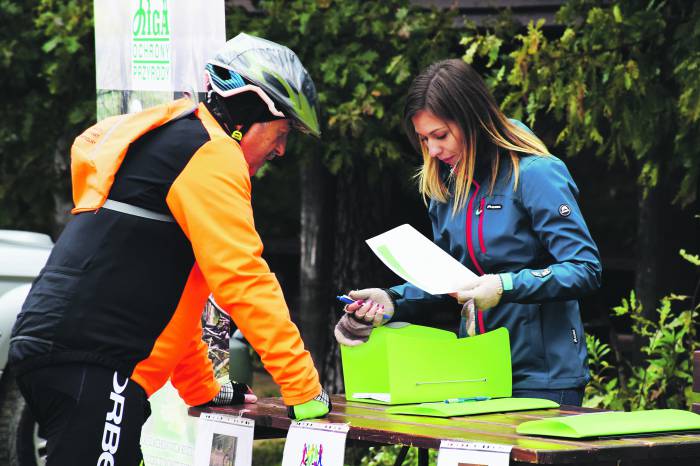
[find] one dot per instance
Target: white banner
(224, 441)
(473, 454)
(158, 46)
(315, 444)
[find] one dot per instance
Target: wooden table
(369, 424)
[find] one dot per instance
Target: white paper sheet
(224, 441)
(385, 397)
(315, 444)
(473, 454)
(419, 261)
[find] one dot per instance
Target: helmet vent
(274, 82)
(225, 79)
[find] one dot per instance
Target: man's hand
(234, 393)
(486, 291)
(316, 407)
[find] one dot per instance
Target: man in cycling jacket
(163, 219)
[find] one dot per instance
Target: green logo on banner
(150, 47)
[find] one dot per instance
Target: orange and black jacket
(127, 292)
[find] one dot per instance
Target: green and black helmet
(249, 64)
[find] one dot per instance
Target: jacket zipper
(470, 247)
(482, 214)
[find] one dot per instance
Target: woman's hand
(372, 307)
(469, 314)
(350, 331)
(486, 291)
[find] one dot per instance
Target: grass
(268, 452)
(263, 385)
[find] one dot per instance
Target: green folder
(404, 363)
(613, 423)
(468, 408)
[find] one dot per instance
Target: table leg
(401, 456)
(422, 457)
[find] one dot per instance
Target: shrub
(664, 378)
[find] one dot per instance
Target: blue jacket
(537, 239)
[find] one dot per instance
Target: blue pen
(464, 400)
(345, 299)
(348, 300)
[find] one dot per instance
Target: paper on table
(419, 261)
(315, 443)
(385, 397)
(453, 453)
(224, 439)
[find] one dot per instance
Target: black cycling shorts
(89, 415)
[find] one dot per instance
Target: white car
(22, 256)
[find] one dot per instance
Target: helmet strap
(250, 110)
(216, 105)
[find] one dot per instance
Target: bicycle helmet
(253, 80)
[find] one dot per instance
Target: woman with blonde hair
(507, 209)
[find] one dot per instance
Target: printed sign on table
(315, 444)
(224, 441)
(473, 454)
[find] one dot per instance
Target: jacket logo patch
(494, 207)
(541, 273)
(574, 337)
(564, 210)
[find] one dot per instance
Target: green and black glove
(316, 407)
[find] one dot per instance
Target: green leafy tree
(620, 79)
(48, 80)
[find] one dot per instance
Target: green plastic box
(404, 363)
